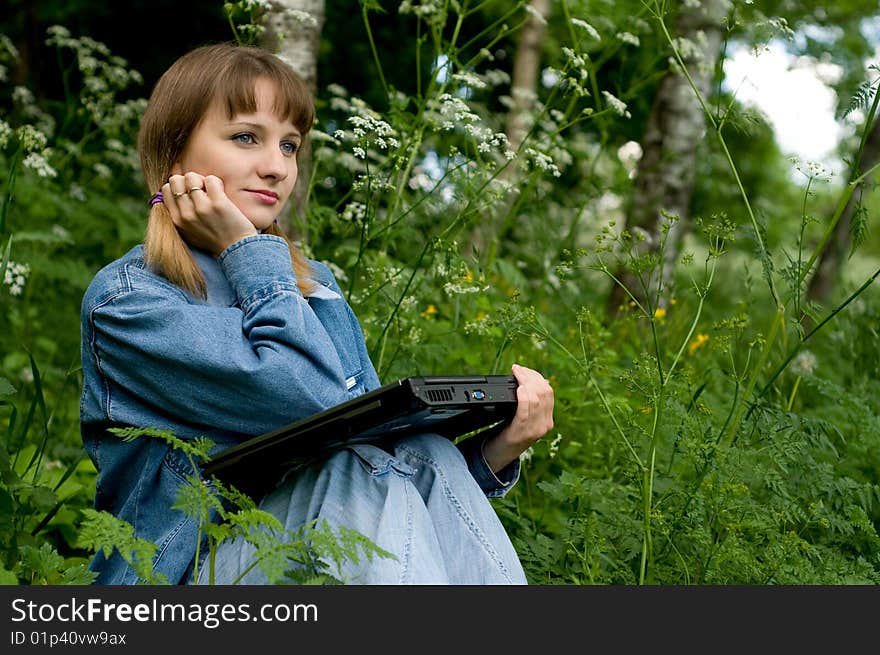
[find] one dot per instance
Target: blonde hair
(180, 99)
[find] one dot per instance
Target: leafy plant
(313, 554)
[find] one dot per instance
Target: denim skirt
(416, 499)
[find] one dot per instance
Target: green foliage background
(716, 440)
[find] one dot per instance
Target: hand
(203, 214)
(532, 420)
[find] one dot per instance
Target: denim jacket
(255, 355)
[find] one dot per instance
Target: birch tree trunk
(524, 83)
(676, 126)
(293, 32)
(524, 93)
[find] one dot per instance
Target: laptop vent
(439, 395)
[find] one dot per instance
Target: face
(254, 155)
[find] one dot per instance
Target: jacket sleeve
(245, 369)
(493, 484)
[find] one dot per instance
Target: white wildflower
(23, 96)
(618, 105)
(629, 154)
(425, 9)
(251, 5)
(15, 277)
(459, 288)
(804, 363)
(31, 138)
(626, 37)
(102, 170)
(577, 62)
(354, 212)
(544, 162)
(690, 50)
(479, 326)
(549, 77)
(61, 232)
(77, 192)
(318, 135)
(7, 45)
(302, 17)
(535, 14)
(337, 90)
(781, 26)
(495, 77)
(470, 79)
(5, 133)
(589, 29)
(38, 163)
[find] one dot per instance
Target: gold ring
(195, 188)
(177, 195)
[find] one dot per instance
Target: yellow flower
(468, 277)
(660, 312)
(430, 311)
(697, 341)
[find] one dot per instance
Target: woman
(217, 326)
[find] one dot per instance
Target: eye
(244, 137)
(289, 147)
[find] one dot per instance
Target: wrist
(499, 452)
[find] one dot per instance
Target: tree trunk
(296, 40)
(523, 92)
(524, 83)
(828, 269)
(676, 126)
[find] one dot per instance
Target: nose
(274, 164)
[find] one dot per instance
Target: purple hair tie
(156, 198)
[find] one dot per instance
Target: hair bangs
(292, 102)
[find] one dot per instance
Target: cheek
(211, 159)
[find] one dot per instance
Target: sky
(792, 93)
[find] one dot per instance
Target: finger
(216, 192)
(180, 208)
(195, 192)
(193, 182)
(178, 187)
(213, 186)
(170, 202)
(524, 373)
(524, 403)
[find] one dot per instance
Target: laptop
(448, 405)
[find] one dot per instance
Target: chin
(261, 223)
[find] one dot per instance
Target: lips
(264, 195)
(264, 192)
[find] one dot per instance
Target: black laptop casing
(451, 406)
